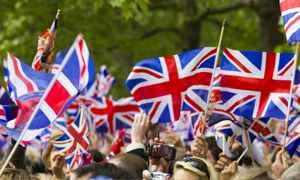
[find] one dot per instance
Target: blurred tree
(119, 33)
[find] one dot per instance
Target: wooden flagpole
(213, 75)
(224, 141)
(290, 99)
(248, 145)
(64, 62)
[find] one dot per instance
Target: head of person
(252, 174)
(194, 168)
(292, 173)
(16, 174)
(105, 169)
(131, 163)
(213, 150)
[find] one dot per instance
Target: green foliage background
(113, 29)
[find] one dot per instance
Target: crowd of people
(202, 160)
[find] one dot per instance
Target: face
(185, 174)
(210, 158)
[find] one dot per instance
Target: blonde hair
(251, 174)
(202, 175)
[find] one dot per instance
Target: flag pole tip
(58, 11)
(223, 24)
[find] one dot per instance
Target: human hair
(213, 147)
(292, 173)
(15, 174)
(131, 163)
(103, 168)
(252, 174)
(47, 153)
(182, 163)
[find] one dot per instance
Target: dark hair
(131, 163)
(213, 147)
(104, 168)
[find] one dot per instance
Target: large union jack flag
(75, 139)
(110, 115)
(76, 73)
(165, 86)
(256, 84)
(290, 11)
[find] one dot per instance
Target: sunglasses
(197, 163)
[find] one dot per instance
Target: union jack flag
(75, 139)
(165, 86)
(45, 136)
(296, 90)
(233, 130)
(256, 84)
(294, 142)
(110, 115)
(290, 11)
(216, 109)
(117, 144)
(78, 159)
(44, 40)
(101, 85)
(75, 74)
(8, 109)
(197, 122)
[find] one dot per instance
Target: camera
(159, 176)
(160, 150)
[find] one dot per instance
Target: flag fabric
(110, 115)
(45, 137)
(197, 122)
(232, 130)
(294, 142)
(66, 87)
(26, 86)
(256, 84)
(254, 128)
(216, 109)
(75, 139)
(290, 11)
(101, 85)
(165, 86)
(117, 144)
(78, 159)
(45, 46)
(296, 90)
(8, 109)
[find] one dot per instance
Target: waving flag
(117, 144)
(294, 142)
(45, 47)
(165, 86)
(233, 130)
(290, 11)
(256, 84)
(73, 76)
(109, 115)
(216, 110)
(197, 122)
(75, 139)
(79, 159)
(101, 85)
(8, 109)
(296, 90)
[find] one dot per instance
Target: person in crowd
(54, 161)
(131, 163)
(292, 173)
(251, 174)
(16, 174)
(104, 168)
